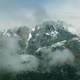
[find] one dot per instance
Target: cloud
(62, 57)
(11, 61)
(30, 13)
(55, 58)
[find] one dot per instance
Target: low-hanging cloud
(11, 61)
(58, 57)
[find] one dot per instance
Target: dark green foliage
(65, 72)
(23, 33)
(65, 35)
(22, 43)
(74, 46)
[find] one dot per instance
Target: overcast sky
(29, 12)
